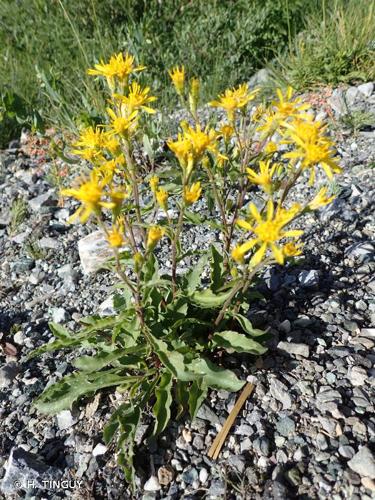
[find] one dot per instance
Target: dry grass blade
(221, 437)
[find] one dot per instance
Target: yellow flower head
(226, 131)
(162, 198)
(177, 75)
(291, 250)
(154, 183)
(116, 234)
(285, 107)
(112, 145)
(155, 233)
(268, 231)
(136, 99)
(90, 143)
(264, 177)
(89, 193)
(234, 99)
(121, 124)
(270, 147)
(119, 67)
(192, 193)
(321, 199)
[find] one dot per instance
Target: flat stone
(296, 349)
(363, 463)
(368, 332)
(106, 308)
(285, 426)
(351, 95)
(205, 413)
(49, 243)
(346, 451)
(24, 468)
(337, 103)
(99, 449)
(47, 199)
(309, 279)
(94, 251)
(357, 375)
(59, 315)
(280, 392)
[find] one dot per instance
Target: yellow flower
(285, 107)
(112, 145)
(137, 98)
(89, 193)
(120, 66)
(268, 231)
(90, 143)
(271, 147)
(154, 183)
(155, 233)
(177, 75)
(162, 198)
(226, 131)
(234, 99)
(138, 261)
(313, 148)
(122, 125)
(270, 123)
(264, 177)
(321, 199)
(116, 234)
(182, 149)
(192, 193)
(291, 250)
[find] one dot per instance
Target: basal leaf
(247, 326)
(194, 277)
(62, 394)
(214, 376)
(237, 342)
(173, 360)
(162, 407)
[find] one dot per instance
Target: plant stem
(174, 248)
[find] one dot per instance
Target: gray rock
(357, 375)
(366, 89)
(368, 332)
(67, 273)
(260, 77)
(296, 349)
(47, 199)
(190, 475)
(328, 395)
(48, 243)
(351, 95)
(363, 463)
(280, 392)
(26, 471)
(361, 250)
(285, 426)
(100, 449)
(346, 451)
(309, 278)
(337, 102)
(262, 446)
(203, 475)
(8, 373)
(205, 413)
(106, 308)
(285, 326)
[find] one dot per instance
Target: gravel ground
(308, 430)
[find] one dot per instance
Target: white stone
(94, 251)
(65, 420)
(296, 349)
(99, 449)
(351, 95)
(152, 484)
(47, 242)
(106, 308)
(366, 89)
(59, 315)
(357, 375)
(203, 475)
(363, 463)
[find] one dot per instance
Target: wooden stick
(220, 438)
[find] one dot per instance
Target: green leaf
(217, 269)
(247, 326)
(162, 407)
(174, 361)
(129, 421)
(194, 277)
(182, 397)
(102, 359)
(233, 341)
(214, 376)
(193, 217)
(197, 394)
(151, 269)
(207, 299)
(62, 394)
(59, 331)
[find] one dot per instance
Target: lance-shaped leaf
(162, 407)
(194, 277)
(207, 299)
(102, 359)
(217, 269)
(233, 341)
(62, 394)
(197, 393)
(214, 376)
(174, 361)
(247, 326)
